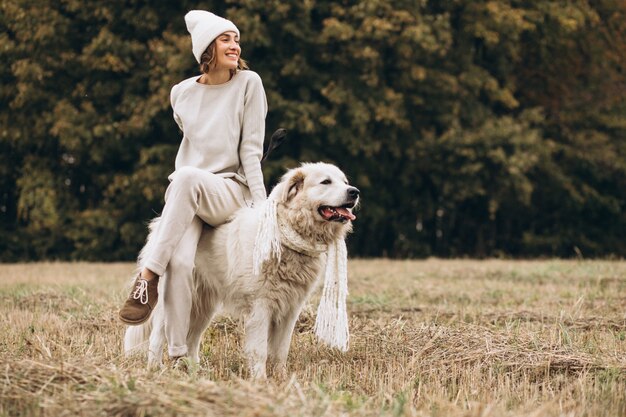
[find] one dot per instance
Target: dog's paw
(279, 373)
(185, 365)
(154, 365)
(258, 372)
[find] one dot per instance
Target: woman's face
(227, 51)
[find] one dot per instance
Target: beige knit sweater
(223, 128)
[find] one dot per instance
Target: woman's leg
(181, 204)
(192, 192)
(178, 290)
(214, 199)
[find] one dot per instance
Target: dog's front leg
(257, 328)
(280, 341)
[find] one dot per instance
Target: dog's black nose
(353, 192)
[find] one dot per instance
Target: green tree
(472, 127)
(84, 92)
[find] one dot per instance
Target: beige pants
(194, 197)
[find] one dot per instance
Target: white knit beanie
(204, 27)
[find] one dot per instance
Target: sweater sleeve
(252, 136)
(173, 97)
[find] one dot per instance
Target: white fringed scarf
(331, 323)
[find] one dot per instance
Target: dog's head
(318, 196)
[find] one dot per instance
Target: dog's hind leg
(257, 326)
(197, 326)
(280, 335)
(157, 339)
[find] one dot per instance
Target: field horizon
(428, 338)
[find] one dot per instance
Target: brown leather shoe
(140, 302)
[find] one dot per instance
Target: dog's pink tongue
(346, 213)
(327, 213)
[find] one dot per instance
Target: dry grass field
(429, 338)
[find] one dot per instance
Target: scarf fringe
(267, 241)
(331, 323)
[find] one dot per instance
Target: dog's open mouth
(337, 214)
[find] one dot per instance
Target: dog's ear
(295, 184)
(290, 185)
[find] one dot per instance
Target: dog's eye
(326, 182)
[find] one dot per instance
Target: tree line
(472, 127)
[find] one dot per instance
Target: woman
(218, 170)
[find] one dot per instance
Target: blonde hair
(207, 60)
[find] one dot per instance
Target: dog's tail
(137, 337)
(147, 248)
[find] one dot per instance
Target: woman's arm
(173, 96)
(252, 136)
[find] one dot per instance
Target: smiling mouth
(337, 214)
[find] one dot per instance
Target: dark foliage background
(472, 127)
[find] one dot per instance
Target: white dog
(264, 263)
